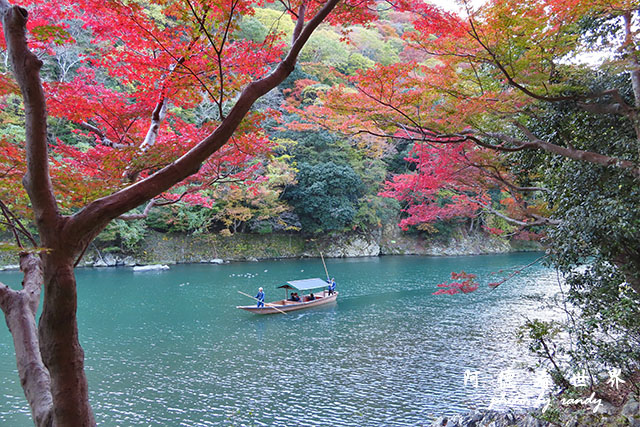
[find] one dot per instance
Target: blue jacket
(260, 296)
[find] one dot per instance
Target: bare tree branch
(575, 154)
(516, 272)
(217, 49)
(540, 220)
(16, 225)
(157, 117)
(180, 60)
(497, 175)
(629, 45)
(624, 107)
(612, 108)
(100, 134)
(299, 22)
(143, 215)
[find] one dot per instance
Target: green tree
(325, 196)
(598, 210)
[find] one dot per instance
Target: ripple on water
(175, 351)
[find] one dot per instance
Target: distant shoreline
(177, 248)
(16, 267)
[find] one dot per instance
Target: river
(169, 348)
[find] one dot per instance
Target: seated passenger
(311, 297)
(295, 297)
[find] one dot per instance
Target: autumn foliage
(115, 69)
(461, 282)
(464, 96)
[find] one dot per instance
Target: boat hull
(270, 308)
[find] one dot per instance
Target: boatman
(332, 286)
(260, 298)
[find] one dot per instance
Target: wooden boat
(286, 305)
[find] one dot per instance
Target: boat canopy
(305, 284)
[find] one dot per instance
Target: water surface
(170, 348)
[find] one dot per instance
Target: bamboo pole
(325, 265)
(265, 303)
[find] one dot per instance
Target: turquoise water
(170, 348)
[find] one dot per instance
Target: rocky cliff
(180, 248)
(171, 248)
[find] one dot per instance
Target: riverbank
(178, 248)
(164, 248)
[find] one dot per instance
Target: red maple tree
(467, 95)
(129, 79)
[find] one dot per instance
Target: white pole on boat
(325, 265)
(265, 303)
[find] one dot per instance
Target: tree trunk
(59, 345)
(20, 309)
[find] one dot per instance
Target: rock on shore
(153, 267)
(490, 418)
(628, 414)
